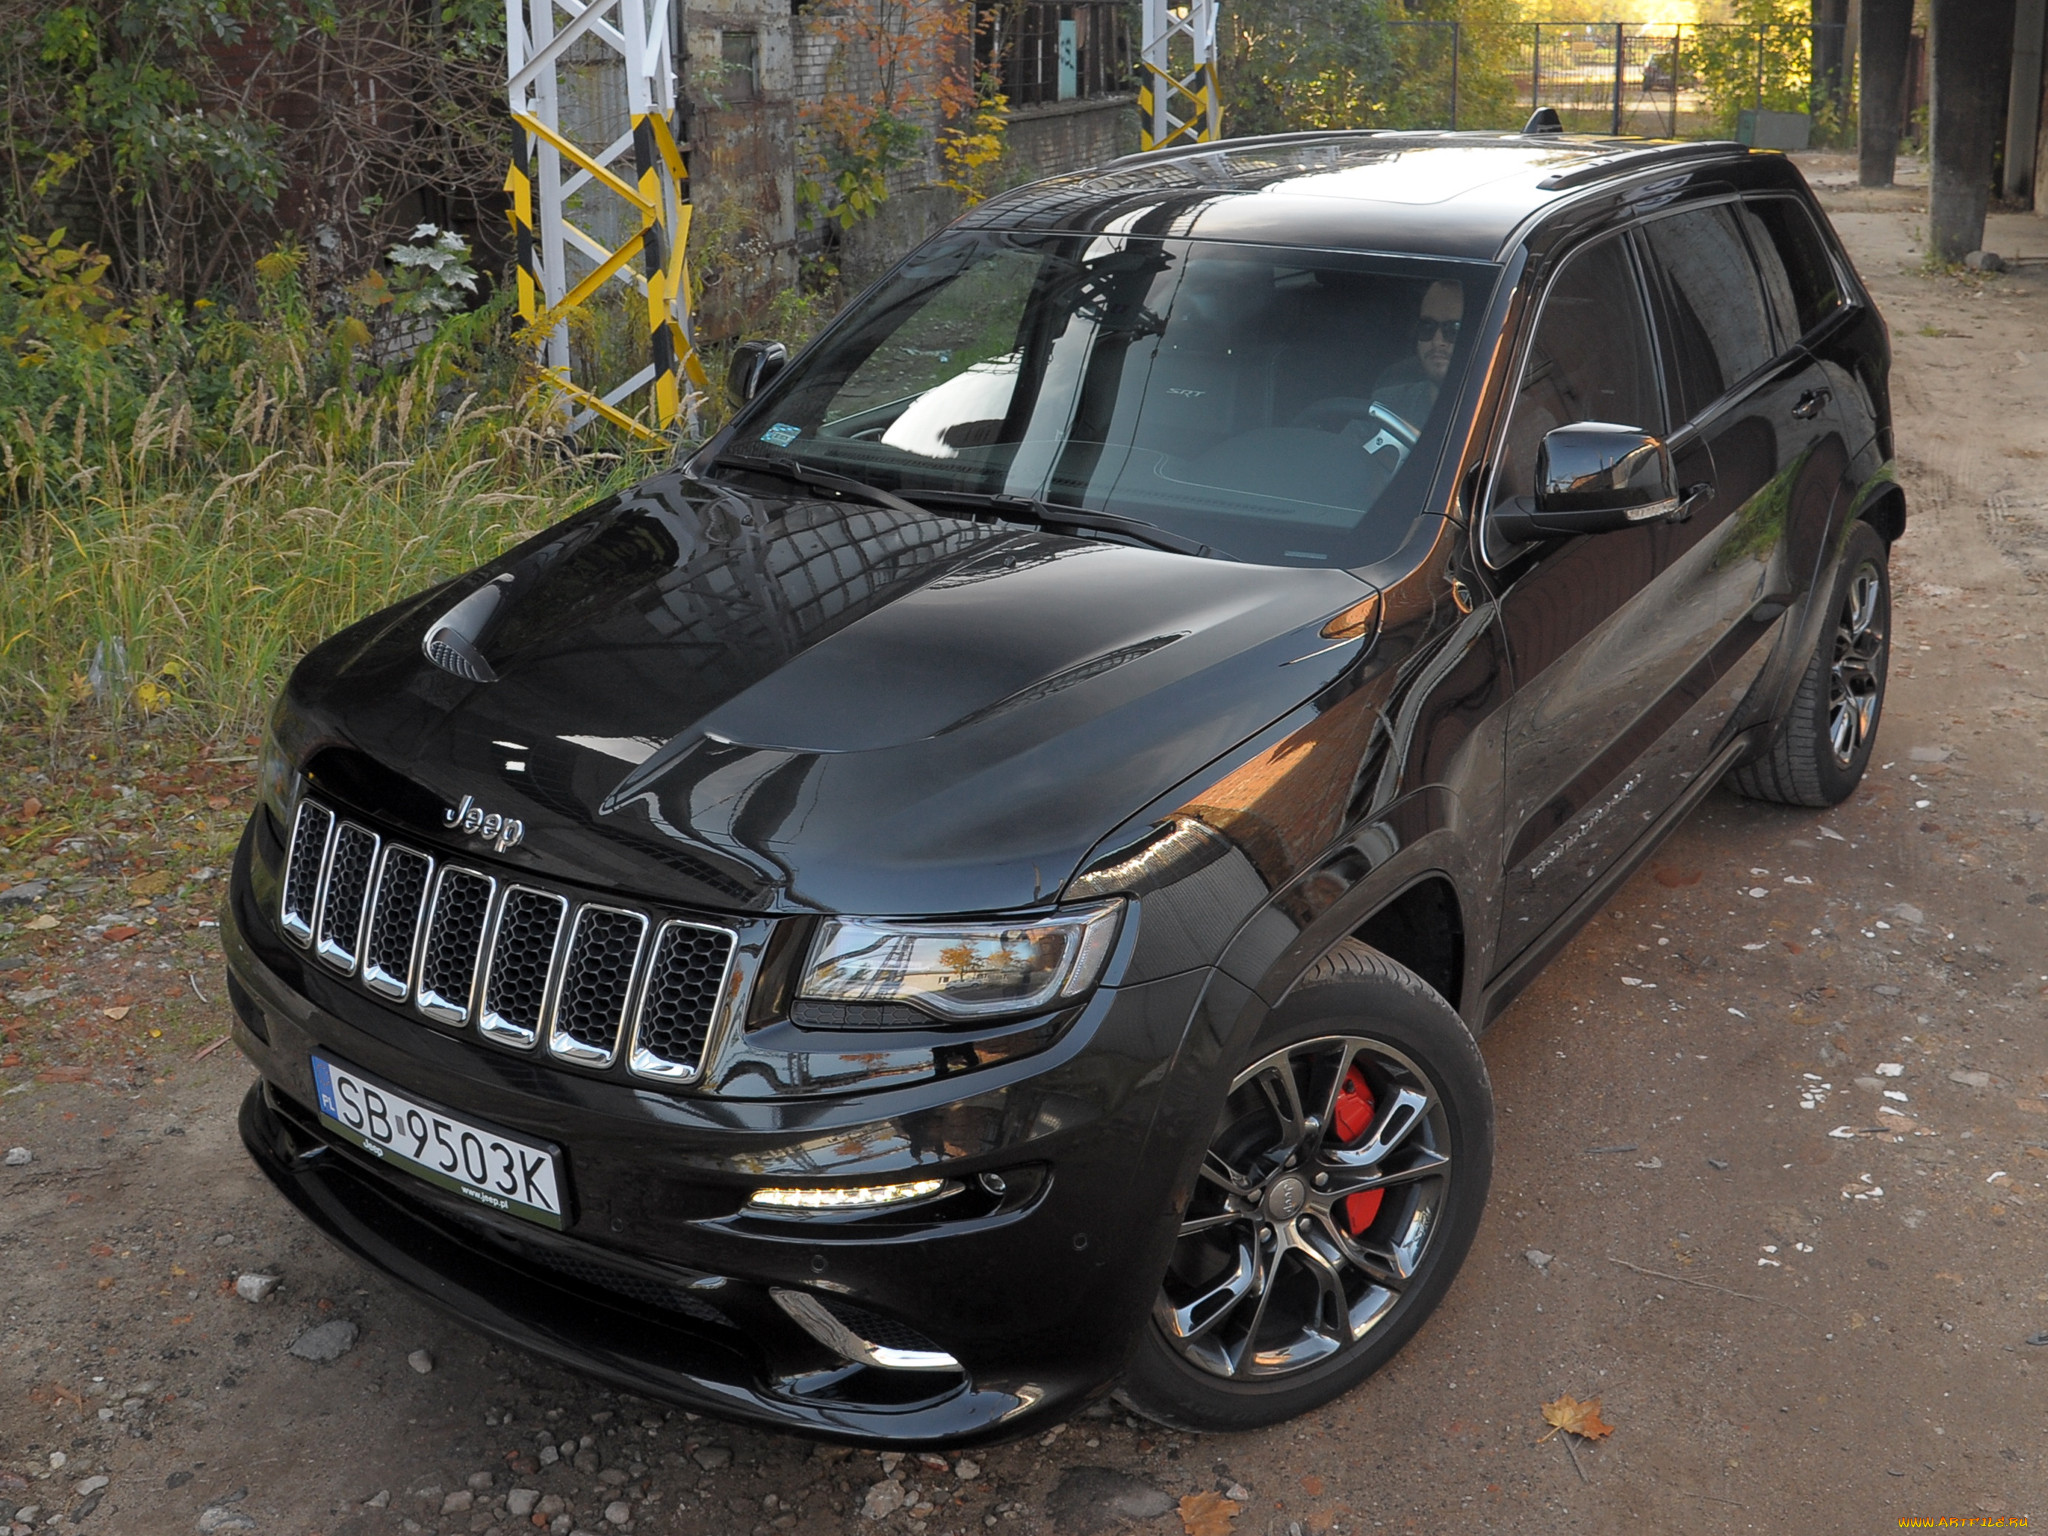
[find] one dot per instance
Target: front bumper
(660, 1285)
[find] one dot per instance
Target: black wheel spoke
(1423, 1164)
(1196, 1319)
(1196, 1224)
(1222, 1175)
(1261, 1297)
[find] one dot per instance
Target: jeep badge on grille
(501, 832)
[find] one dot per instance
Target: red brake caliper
(1352, 1119)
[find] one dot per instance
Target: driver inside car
(1409, 388)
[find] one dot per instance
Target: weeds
(188, 500)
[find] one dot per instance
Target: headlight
(962, 970)
(277, 782)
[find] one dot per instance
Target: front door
(1594, 651)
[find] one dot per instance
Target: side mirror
(1592, 477)
(753, 365)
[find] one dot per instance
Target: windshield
(1282, 406)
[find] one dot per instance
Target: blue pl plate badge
(782, 434)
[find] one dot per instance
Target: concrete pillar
(1884, 30)
(1972, 47)
(2023, 99)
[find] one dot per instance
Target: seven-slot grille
(521, 964)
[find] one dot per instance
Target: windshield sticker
(782, 434)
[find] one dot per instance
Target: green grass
(170, 546)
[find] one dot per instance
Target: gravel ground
(1774, 1141)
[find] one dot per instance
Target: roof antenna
(1544, 120)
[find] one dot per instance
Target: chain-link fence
(1661, 79)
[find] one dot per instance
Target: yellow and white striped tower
(588, 199)
(1178, 102)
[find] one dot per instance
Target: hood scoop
(452, 642)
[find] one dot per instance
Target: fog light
(865, 1197)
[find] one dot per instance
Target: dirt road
(1773, 1173)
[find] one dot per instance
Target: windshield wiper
(1058, 515)
(789, 469)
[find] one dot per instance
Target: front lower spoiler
(669, 1360)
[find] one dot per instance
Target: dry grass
(153, 573)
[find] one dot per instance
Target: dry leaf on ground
(1582, 1419)
(40, 924)
(1207, 1514)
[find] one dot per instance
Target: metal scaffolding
(565, 62)
(1178, 100)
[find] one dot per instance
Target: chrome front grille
(395, 921)
(455, 940)
(691, 962)
(517, 963)
(304, 864)
(341, 906)
(604, 953)
(522, 955)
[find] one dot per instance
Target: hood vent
(451, 640)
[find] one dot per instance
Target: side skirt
(1520, 971)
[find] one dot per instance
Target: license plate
(479, 1164)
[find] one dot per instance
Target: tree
(1971, 41)
(1886, 32)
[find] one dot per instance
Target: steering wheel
(1385, 431)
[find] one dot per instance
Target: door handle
(1812, 403)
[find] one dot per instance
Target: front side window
(1800, 278)
(1589, 360)
(1719, 330)
(1281, 406)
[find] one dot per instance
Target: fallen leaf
(63, 1074)
(159, 882)
(116, 1014)
(119, 932)
(1581, 1419)
(31, 808)
(1207, 1514)
(40, 924)
(217, 802)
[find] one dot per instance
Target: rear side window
(1589, 360)
(1717, 330)
(1802, 281)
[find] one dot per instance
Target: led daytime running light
(863, 1197)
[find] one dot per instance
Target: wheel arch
(1886, 512)
(1423, 928)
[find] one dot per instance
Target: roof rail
(1604, 166)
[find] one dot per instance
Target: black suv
(981, 886)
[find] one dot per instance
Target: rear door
(1753, 405)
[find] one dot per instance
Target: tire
(1823, 742)
(1283, 1294)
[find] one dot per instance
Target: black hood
(791, 704)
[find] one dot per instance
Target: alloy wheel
(1855, 685)
(1316, 1204)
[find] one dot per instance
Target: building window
(1047, 51)
(739, 58)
